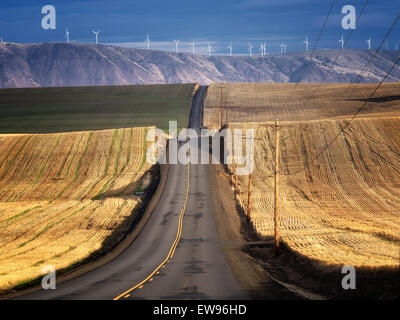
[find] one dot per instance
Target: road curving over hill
(178, 253)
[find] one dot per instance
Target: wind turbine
(306, 43)
(369, 43)
(193, 47)
(177, 45)
(283, 48)
(97, 36)
(209, 49)
(67, 34)
(250, 49)
(342, 42)
(230, 49)
(147, 41)
(262, 48)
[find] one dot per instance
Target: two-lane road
(177, 255)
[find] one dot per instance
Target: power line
(362, 106)
(341, 50)
(348, 123)
(380, 144)
(360, 74)
(316, 43)
(379, 156)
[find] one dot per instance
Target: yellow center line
(173, 247)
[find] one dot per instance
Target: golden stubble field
(63, 196)
(258, 102)
(342, 208)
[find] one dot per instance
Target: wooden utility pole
(236, 184)
(249, 198)
(276, 189)
(226, 114)
(216, 116)
(220, 107)
(234, 179)
(276, 184)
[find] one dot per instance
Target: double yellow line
(173, 247)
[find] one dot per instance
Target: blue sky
(127, 22)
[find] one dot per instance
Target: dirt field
(341, 208)
(64, 196)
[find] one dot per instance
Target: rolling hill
(60, 64)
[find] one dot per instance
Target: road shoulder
(236, 235)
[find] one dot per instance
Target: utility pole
(234, 179)
(276, 184)
(220, 107)
(226, 114)
(236, 184)
(249, 198)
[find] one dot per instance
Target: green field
(48, 110)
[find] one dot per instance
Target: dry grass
(260, 102)
(63, 196)
(344, 207)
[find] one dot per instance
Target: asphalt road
(178, 253)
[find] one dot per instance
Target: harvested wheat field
(342, 208)
(337, 207)
(65, 196)
(258, 102)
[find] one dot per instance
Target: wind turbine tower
(283, 48)
(262, 48)
(67, 34)
(209, 49)
(306, 43)
(193, 47)
(369, 43)
(230, 49)
(97, 36)
(250, 49)
(147, 41)
(342, 42)
(177, 45)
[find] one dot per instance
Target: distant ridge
(75, 64)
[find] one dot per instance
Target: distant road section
(197, 110)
